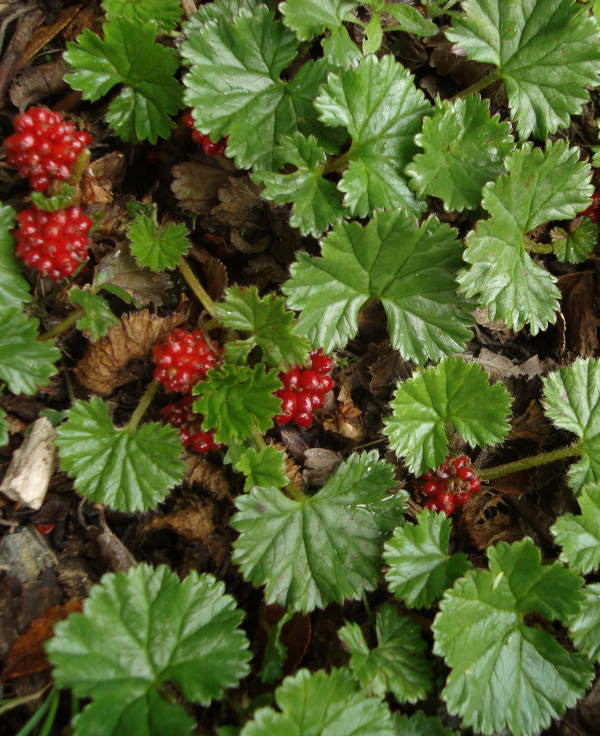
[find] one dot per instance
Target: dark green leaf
(579, 536)
(98, 317)
(14, 289)
(584, 626)
(164, 13)
(578, 244)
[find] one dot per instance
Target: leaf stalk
(529, 462)
(199, 291)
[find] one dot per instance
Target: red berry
(304, 389)
(303, 419)
(593, 211)
(46, 528)
(209, 147)
(291, 379)
(325, 383)
(303, 403)
(320, 363)
(316, 399)
(44, 146)
(54, 243)
(462, 497)
(182, 360)
(446, 502)
(460, 462)
(310, 380)
(189, 424)
(465, 473)
(474, 485)
(430, 488)
(433, 504)
(288, 401)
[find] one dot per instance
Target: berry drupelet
(450, 485)
(304, 390)
(44, 146)
(182, 360)
(209, 148)
(189, 425)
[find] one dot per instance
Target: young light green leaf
(14, 289)
(98, 317)
(166, 14)
(398, 664)
(235, 89)
(150, 91)
(26, 363)
(464, 148)
(158, 246)
(4, 437)
(236, 399)
(454, 393)
(420, 725)
(374, 35)
(314, 550)
(410, 20)
(578, 244)
(572, 402)
(316, 201)
(264, 468)
(547, 53)
(382, 134)
(269, 323)
(540, 186)
(579, 536)
(420, 568)
(584, 626)
(321, 703)
(411, 269)
(217, 9)
(59, 201)
(310, 18)
(481, 632)
(126, 470)
(139, 631)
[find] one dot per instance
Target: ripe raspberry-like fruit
(54, 243)
(450, 485)
(182, 360)
(44, 146)
(303, 390)
(593, 211)
(189, 425)
(209, 148)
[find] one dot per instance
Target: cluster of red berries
(450, 485)
(181, 415)
(44, 146)
(180, 362)
(304, 390)
(54, 243)
(593, 211)
(209, 148)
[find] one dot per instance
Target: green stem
(197, 288)
(337, 163)
(78, 169)
(533, 247)
(140, 409)
(529, 462)
(63, 326)
(476, 86)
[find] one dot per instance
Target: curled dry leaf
(120, 268)
(206, 474)
(104, 366)
(531, 424)
(101, 176)
(38, 83)
(215, 274)
(486, 520)
(238, 198)
(191, 519)
(196, 184)
(291, 470)
(579, 309)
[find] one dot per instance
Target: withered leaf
(237, 198)
(120, 268)
(196, 183)
(579, 309)
(206, 474)
(215, 274)
(104, 366)
(191, 519)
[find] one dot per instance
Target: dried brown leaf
(531, 424)
(292, 470)
(486, 520)
(120, 268)
(196, 184)
(237, 199)
(215, 273)
(579, 309)
(38, 83)
(104, 366)
(191, 519)
(206, 474)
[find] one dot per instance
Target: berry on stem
(182, 360)
(450, 485)
(44, 146)
(209, 148)
(189, 425)
(54, 243)
(303, 390)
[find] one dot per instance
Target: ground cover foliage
(402, 233)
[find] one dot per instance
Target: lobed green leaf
(584, 626)
(264, 468)
(577, 245)
(14, 289)
(166, 14)
(420, 725)
(126, 470)
(158, 246)
(98, 317)
(579, 536)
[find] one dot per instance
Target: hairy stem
(529, 462)
(196, 287)
(140, 409)
(63, 326)
(479, 85)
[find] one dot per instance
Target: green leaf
(310, 18)
(166, 14)
(314, 550)
(411, 269)
(454, 393)
(235, 89)
(547, 53)
(98, 317)
(128, 56)
(420, 567)
(464, 148)
(579, 536)
(217, 9)
(4, 436)
(26, 363)
(572, 402)
(321, 703)
(420, 725)
(269, 322)
(57, 202)
(14, 289)
(374, 35)
(584, 626)
(578, 244)
(495, 658)
(140, 631)
(398, 664)
(264, 468)
(236, 399)
(128, 470)
(411, 20)
(158, 246)
(382, 134)
(316, 201)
